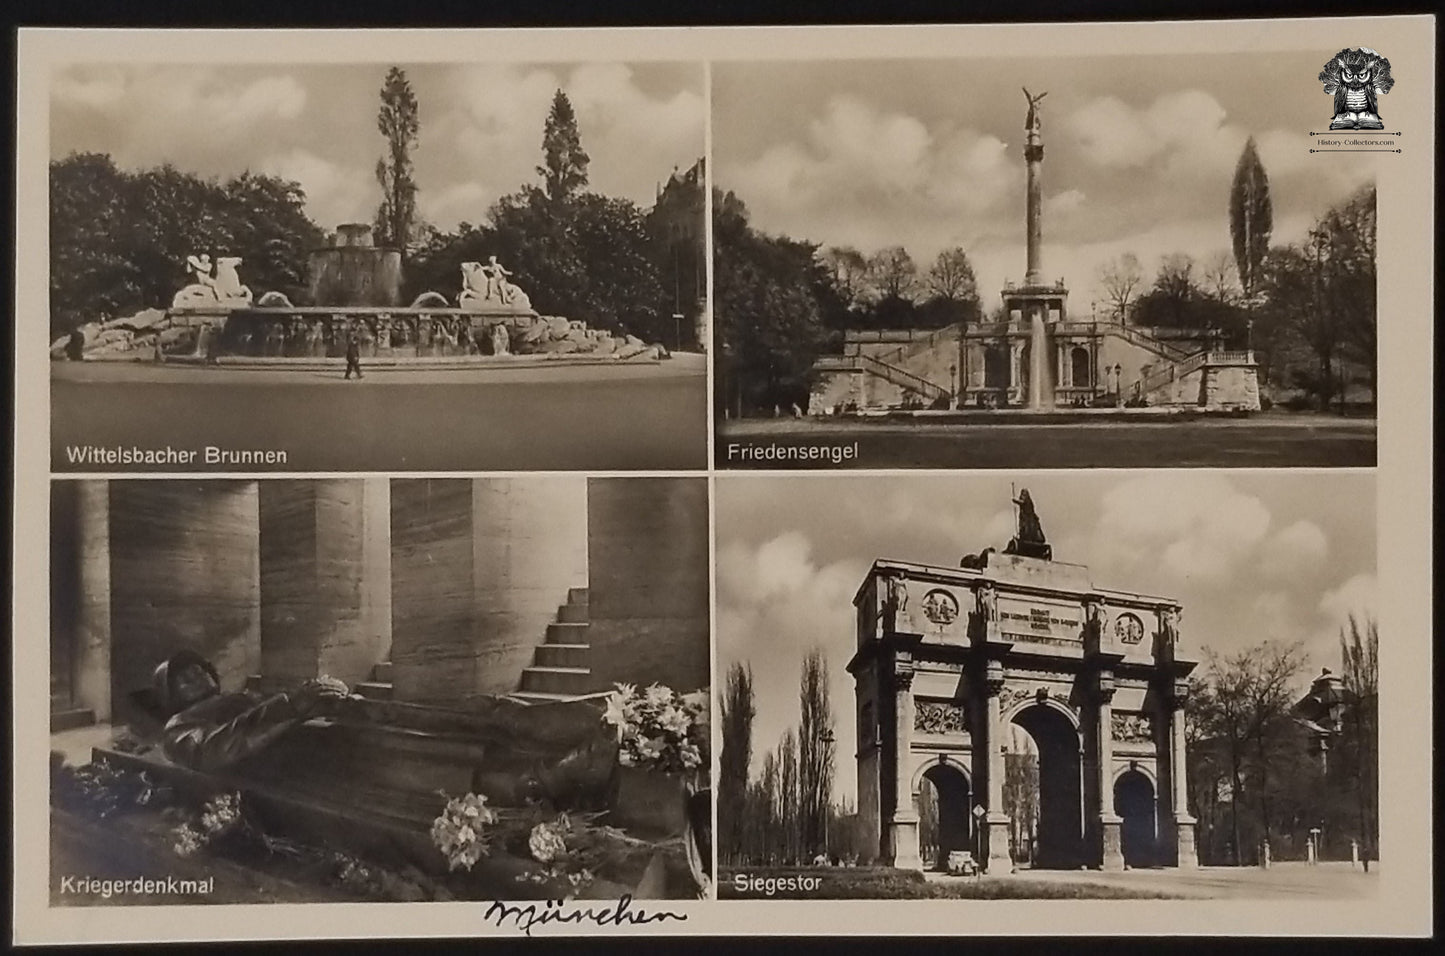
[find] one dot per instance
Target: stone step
(556, 680)
(541, 697)
(382, 672)
(572, 614)
(70, 718)
(373, 689)
(562, 632)
(577, 596)
(562, 655)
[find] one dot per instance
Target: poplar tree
(398, 121)
(564, 162)
(1251, 217)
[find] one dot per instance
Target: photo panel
(1049, 259)
(376, 266)
(1049, 686)
(379, 690)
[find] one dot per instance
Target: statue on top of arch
(1030, 541)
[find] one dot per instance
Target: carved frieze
(1132, 728)
(940, 717)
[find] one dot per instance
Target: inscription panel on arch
(1040, 620)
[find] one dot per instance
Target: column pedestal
(999, 860)
(1188, 852)
(1113, 846)
(903, 829)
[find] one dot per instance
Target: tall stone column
(996, 820)
(480, 567)
(325, 578)
(90, 668)
(647, 558)
(904, 824)
(1109, 821)
(1183, 822)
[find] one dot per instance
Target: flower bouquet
(663, 755)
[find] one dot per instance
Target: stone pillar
(996, 820)
(325, 579)
(1112, 857)
(1183, 822)
(480, 567)
(904, 824)
(647, 558)
(184, 574)
(90, 668)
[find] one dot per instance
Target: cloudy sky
(1139, 154)
(1252, 556)
(481, 126)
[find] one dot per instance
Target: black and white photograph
(372, 267)
(373, 690)
(1157, 685)
(1043, 261)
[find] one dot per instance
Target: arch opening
(1134, 801)
(1054, 782)
(945, 821)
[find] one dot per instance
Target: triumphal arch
(948, 658)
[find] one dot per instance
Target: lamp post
(826, 737)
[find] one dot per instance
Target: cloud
(851, 172)
(1358, 596)
(1294, 552)
(334, 193)
(775, 604)
(164, 114)
(1184, 527)
(487, 132)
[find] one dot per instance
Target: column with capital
(904, 824)
(1109, 821)
(1183, 823)
(997, 821)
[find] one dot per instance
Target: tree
(1169, 302)
(892, 273)
(815, 752)
(849, 270)
(1349, 280)
(564, 162)
(789, 798)
(769, 323)
(1121, 278)
(1360, 654)
(119, 240)
(1217, 278)
(1251, 218)
(1244, 708)
(399, 123)
(951, 276)
(737, 747)
(953, 289)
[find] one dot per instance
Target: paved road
(595, 418)
(1264, 441)
(1281, 881)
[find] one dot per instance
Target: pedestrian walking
(353, 356)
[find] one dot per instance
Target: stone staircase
(560, 666)
(904, 379)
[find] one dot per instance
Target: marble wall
(184, 573)
(479, 568)
(647, 546)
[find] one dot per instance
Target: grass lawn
(866, 883)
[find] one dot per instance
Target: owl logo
(1357, 78)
